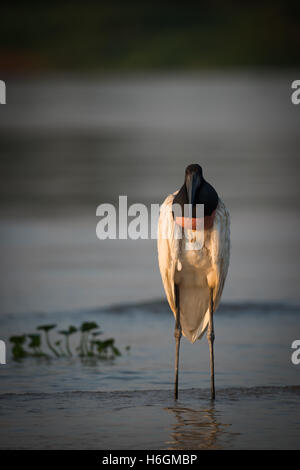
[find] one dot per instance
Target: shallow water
(69, 144)
(128, 402)
(241, 418)
(253, 348)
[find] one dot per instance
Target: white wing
(194, 302)
(220, 248)
(168, 249)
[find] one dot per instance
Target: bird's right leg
(211, 338)
(177, 334)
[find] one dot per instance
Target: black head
(196, 190)
(192, 169)
(193, 181)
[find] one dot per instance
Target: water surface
(69, 144)
(128, 403)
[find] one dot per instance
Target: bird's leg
(211, 338)
(177, 334)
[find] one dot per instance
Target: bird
(193, 258)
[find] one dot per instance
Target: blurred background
(116, 98)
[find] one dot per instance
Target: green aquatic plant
(67, 333)
(106, 349)
(58, 345)
(89, 344)
(35, 344)
(86, 328)
(17, 350)
(46, 329)
(93, 342)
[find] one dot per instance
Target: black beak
(192, 185)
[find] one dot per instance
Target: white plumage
(194, 271)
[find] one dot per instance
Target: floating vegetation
(18, 349)
(89, 345)
(46, 329)
(67, 334)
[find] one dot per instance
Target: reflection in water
(198, 429)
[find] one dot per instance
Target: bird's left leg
(211, 338)
(177, 334)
